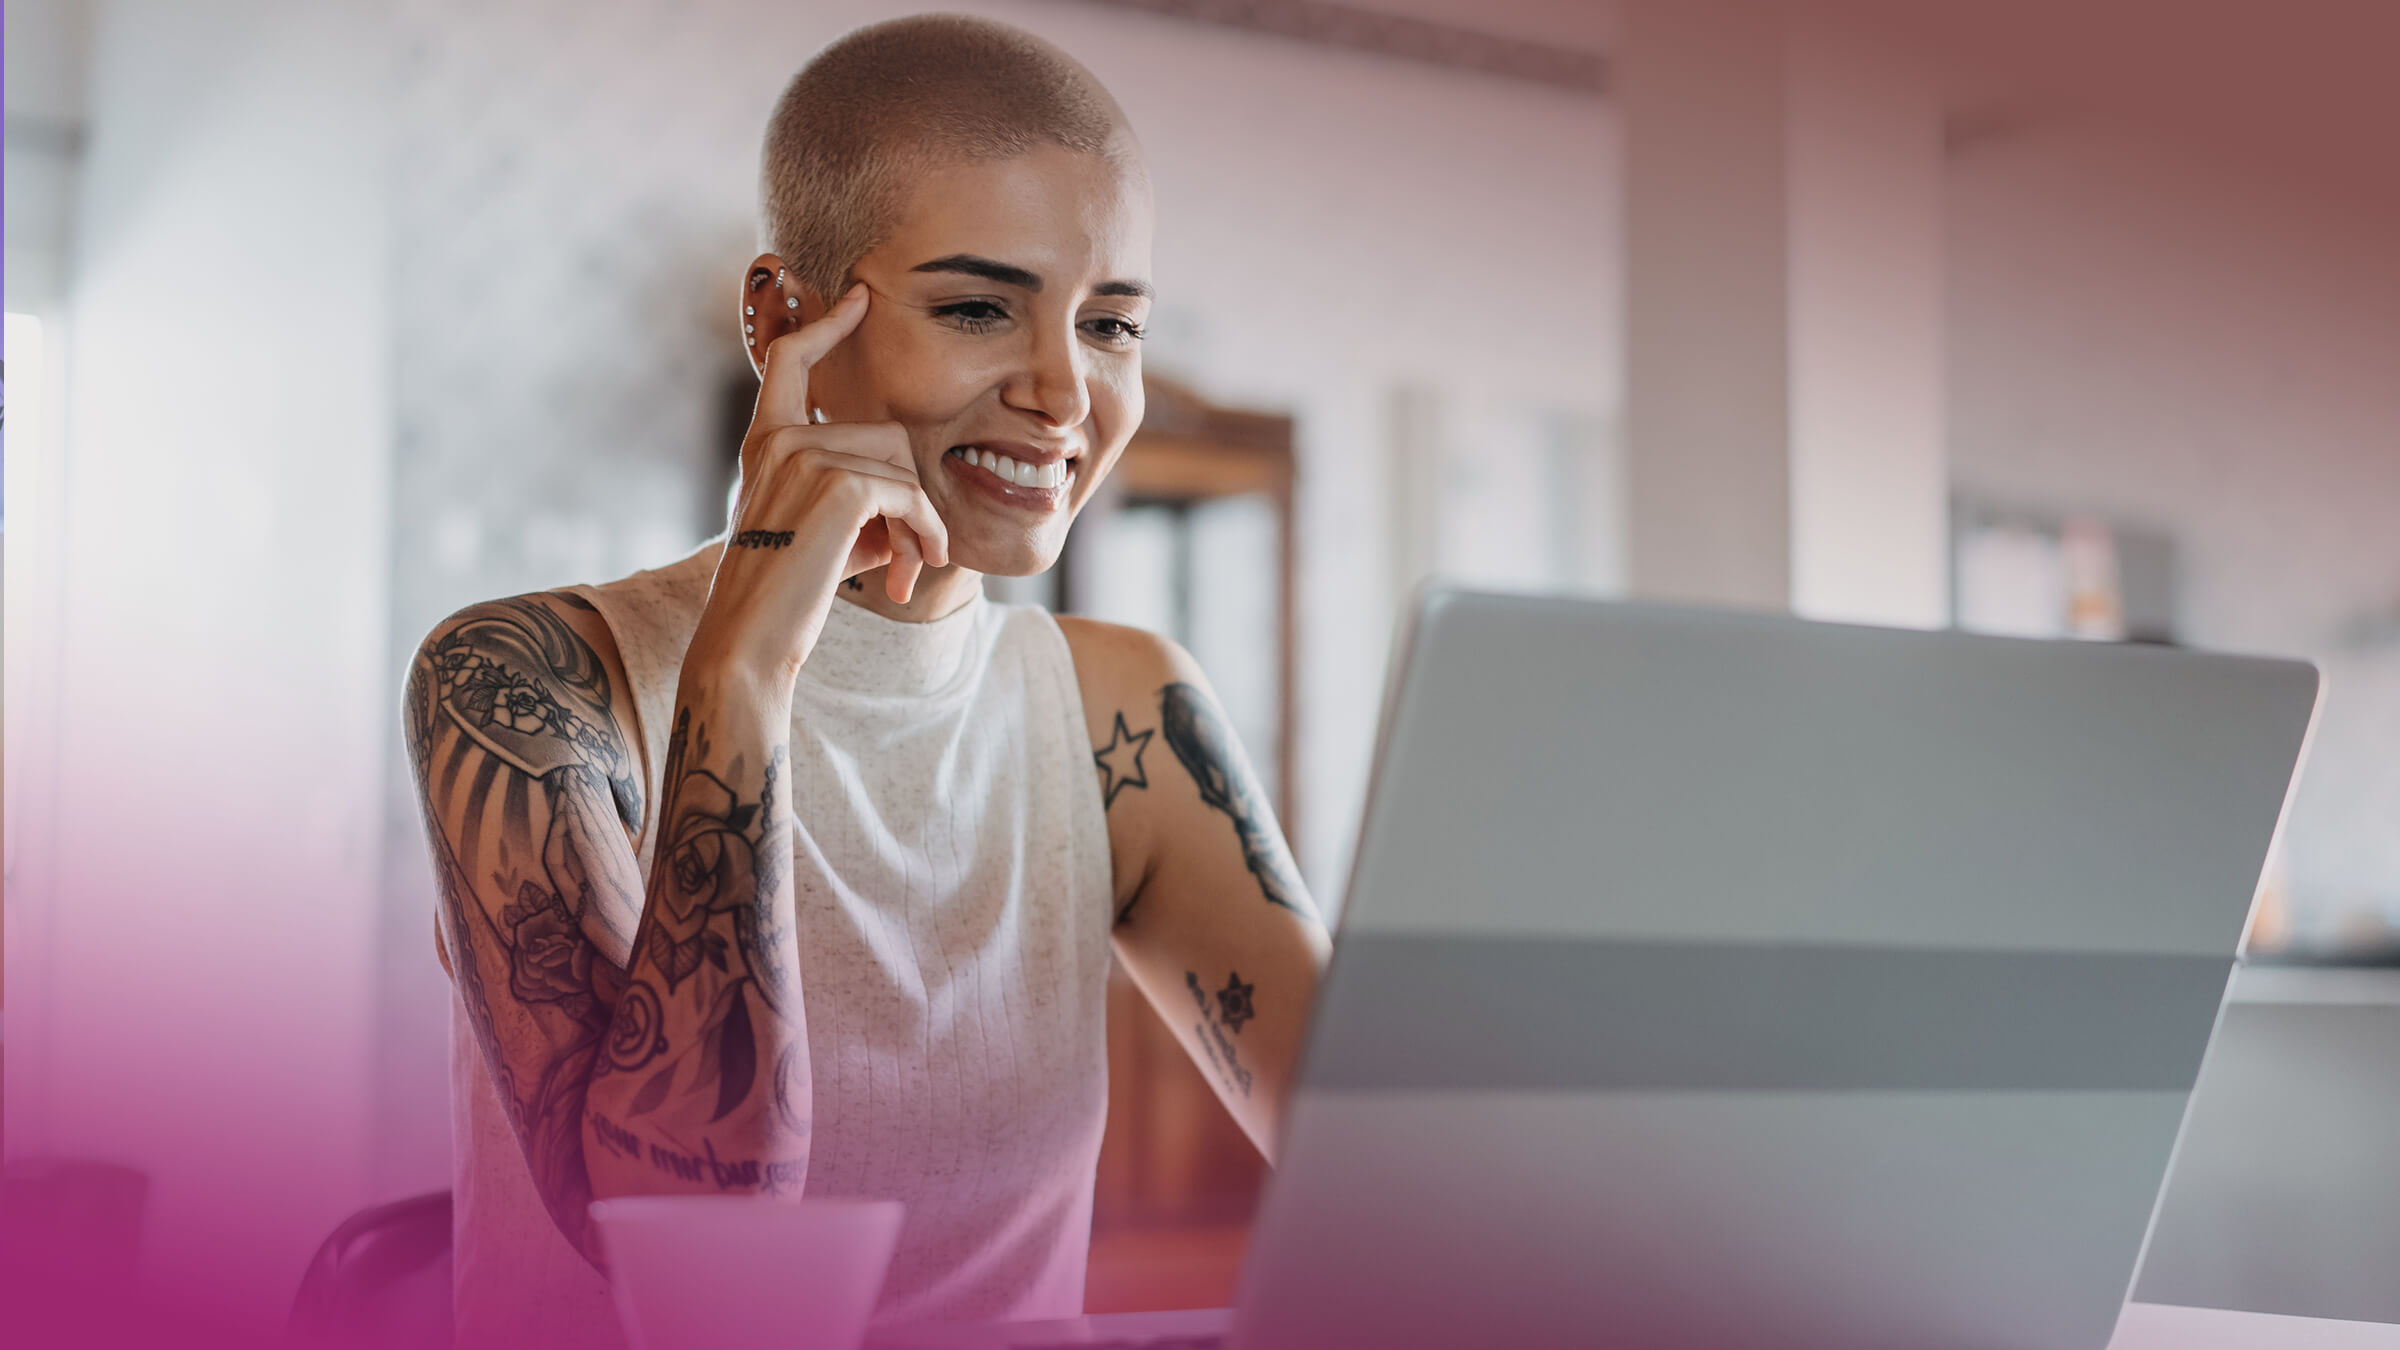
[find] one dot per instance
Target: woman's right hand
(820, 503)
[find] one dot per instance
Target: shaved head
(857, 123)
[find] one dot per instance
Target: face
(1003, 332)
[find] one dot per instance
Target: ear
(773, 304)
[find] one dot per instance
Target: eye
(1116, 330)
(973, 316)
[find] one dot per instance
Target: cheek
(1117, 405)
(920, 381)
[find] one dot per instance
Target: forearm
(702, 1083)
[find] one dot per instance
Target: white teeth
(1056, 473)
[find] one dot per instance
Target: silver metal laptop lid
(1755, 981)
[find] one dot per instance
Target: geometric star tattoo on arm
(1120, 762)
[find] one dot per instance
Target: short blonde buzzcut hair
(893, 96)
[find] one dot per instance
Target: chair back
(381, 1281)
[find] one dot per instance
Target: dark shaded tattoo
(720, 866)
(1208, 752)
(855, 583)
(761, 539)
(1120, 762)
(638, 1035)
(762, 929)
(1210, 1032)
(1233, 1003)
(523, 776)
(523, 686)
(706, 863)
(569, 977)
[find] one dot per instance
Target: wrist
(729, 667)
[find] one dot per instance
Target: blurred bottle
(2095, 595)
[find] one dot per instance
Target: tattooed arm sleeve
(638, 1044)
(528, 789)
(702, 1084)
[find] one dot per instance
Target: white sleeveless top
(952, 887)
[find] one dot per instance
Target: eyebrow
(1008, 274)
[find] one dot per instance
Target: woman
(795, 867)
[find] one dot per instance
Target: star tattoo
(1233, 1002)
(1121, 762)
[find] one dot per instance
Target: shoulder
(570, 632)
(554, 636)
(1118, 664)
(534, 679)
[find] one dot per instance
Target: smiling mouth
(1058, 473)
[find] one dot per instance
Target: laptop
(1714, 979)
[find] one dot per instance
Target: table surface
(2145, 1326)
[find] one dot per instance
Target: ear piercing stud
(791, 302)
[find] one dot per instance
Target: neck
(938, 592)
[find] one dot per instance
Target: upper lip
(1021, 452)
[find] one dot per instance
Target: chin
(1006, 558)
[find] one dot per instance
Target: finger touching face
(1004, 335)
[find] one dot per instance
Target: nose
(1053, 383)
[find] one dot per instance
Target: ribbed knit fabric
(953, 901)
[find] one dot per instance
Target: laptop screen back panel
(1720, 980)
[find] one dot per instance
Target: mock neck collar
(863, 652)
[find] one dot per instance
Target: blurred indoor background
(327, 317)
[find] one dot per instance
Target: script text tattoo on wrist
(769, 1176)
(762, 539)
(1207, 750)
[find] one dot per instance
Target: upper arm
(528, 784)
(1214, 921)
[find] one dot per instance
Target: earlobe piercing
(791, 302)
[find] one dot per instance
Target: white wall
(204, 868)
(2214, 356)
